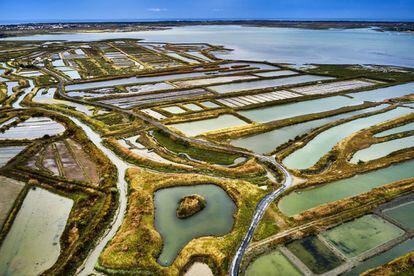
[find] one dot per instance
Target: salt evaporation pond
(382, 258)
(268, 141)
(7, 153)
(272, 264)
(216, 219)
(33, 128)
(406, 127)
(379, 150)
(381, 94)
(279, 112)
(297, 202)
(33, 243)
(198, 127)
(362, 234)
(322, 143)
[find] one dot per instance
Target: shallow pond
(33, 128)
(10, 86)
(198, 127)
(272, 264)
(389, 255)
(215, 219)
(379, 150)
(322, 143)
(378, 95)
(269, 141)
(279, 112)
(406, 127)
(314, 254)
(7, 153)
(174, 109)
(33, 243)
(362, 234)
(297, 202)
(276, 73)
(403, 214)
(260, 84)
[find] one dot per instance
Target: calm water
(404, 214)
(296, 46)
(362, 234)
(389, 255)
(198, 127)
(321, 144)
(272, 264)
(261, 84)
(279, 112)
(33, 243)
(380, 94)
(215, 219)
(376, 151)
(406, 127)
(7, 153)
(269, 141)
(295, 203)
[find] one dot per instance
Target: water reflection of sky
(297, 46)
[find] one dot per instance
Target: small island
(190, 205)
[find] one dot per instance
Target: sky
(56, 10)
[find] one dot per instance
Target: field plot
(362, 234)
(33, 128)
(242, 101)
(66, 159)
(130, 102)
(9, 190)
(334, 87)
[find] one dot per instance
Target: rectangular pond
(321, 144)
(314, 254)
(274, 263)
(198, 127)
(32, 244)
(268, 141)
(362, 234)
(279, 112)
(268, 83)
(297, 202)
(380, 259)
(403, 214)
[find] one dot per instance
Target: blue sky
(46, 10)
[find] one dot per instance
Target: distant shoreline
(20, 29)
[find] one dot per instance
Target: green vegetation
(213, 157)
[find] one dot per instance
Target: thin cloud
(157, 9)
